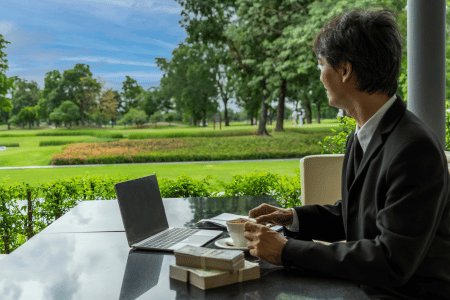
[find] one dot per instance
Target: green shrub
(286, 190)
(114, 135)
(53, 143)
(335, 144)
(184, 186)
(49, 201)
(9, 144)
(187, 133)
(69, 132)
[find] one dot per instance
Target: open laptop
(145, 221)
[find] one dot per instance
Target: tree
(248, 54)
(27, 115)
(25, 94)
(154, 100)
(6, 84)
(42, 109)
(87, 94)
(131, 90)
(298, 41)
(205, 22)
(190, 79)
(53, 92)
(106, 108)
(135, 116)
(76, 85)
(66, 113)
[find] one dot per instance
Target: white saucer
(222, 243)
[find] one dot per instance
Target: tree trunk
(225, 115)
(318, 113)
(280, 109)
(225, 101)
(263, 114)
(308, 113)
(82, 114)
(204, 118)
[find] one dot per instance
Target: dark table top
(104, 215)
(99, 265)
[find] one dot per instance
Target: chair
(320, 177)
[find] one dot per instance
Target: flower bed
(189, 149)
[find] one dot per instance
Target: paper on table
(221, 220)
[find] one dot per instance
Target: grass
(198, 171)
(31, 154)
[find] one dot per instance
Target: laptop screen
(141, 207)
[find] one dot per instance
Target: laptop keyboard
(169, 238)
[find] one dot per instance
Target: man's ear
(346, 71)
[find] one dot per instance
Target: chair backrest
(320, 177)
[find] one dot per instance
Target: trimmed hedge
(96, 133)
(54, 143)
(9, 144)
(49, 201)
(187, 133)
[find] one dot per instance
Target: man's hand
(264, 243)
(266, 213)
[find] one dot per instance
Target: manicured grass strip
(198, 171)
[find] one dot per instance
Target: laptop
(145, 220)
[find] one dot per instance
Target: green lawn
(29, 153)
(198, 171)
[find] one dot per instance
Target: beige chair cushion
(320, 177)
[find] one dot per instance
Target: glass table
(85, 255)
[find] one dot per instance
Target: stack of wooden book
(209, 268)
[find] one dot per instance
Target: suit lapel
(387, 124)
(349, 161)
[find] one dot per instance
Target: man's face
(332, 81)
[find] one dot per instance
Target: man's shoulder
(410, 128)
(413, 136)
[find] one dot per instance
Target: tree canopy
(6, 84)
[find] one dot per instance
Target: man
(294, 118)
(301, 116)
(395, 207)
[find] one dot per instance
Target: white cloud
(138, 74)
(108, 60)
(156, 6)
(5, 27)
(124, 3)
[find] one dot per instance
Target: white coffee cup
(236, 230)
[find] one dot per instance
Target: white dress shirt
(364, 134)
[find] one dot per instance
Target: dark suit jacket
(395, 216)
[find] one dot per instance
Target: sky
(114, 37)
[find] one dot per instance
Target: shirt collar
(366, 132)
